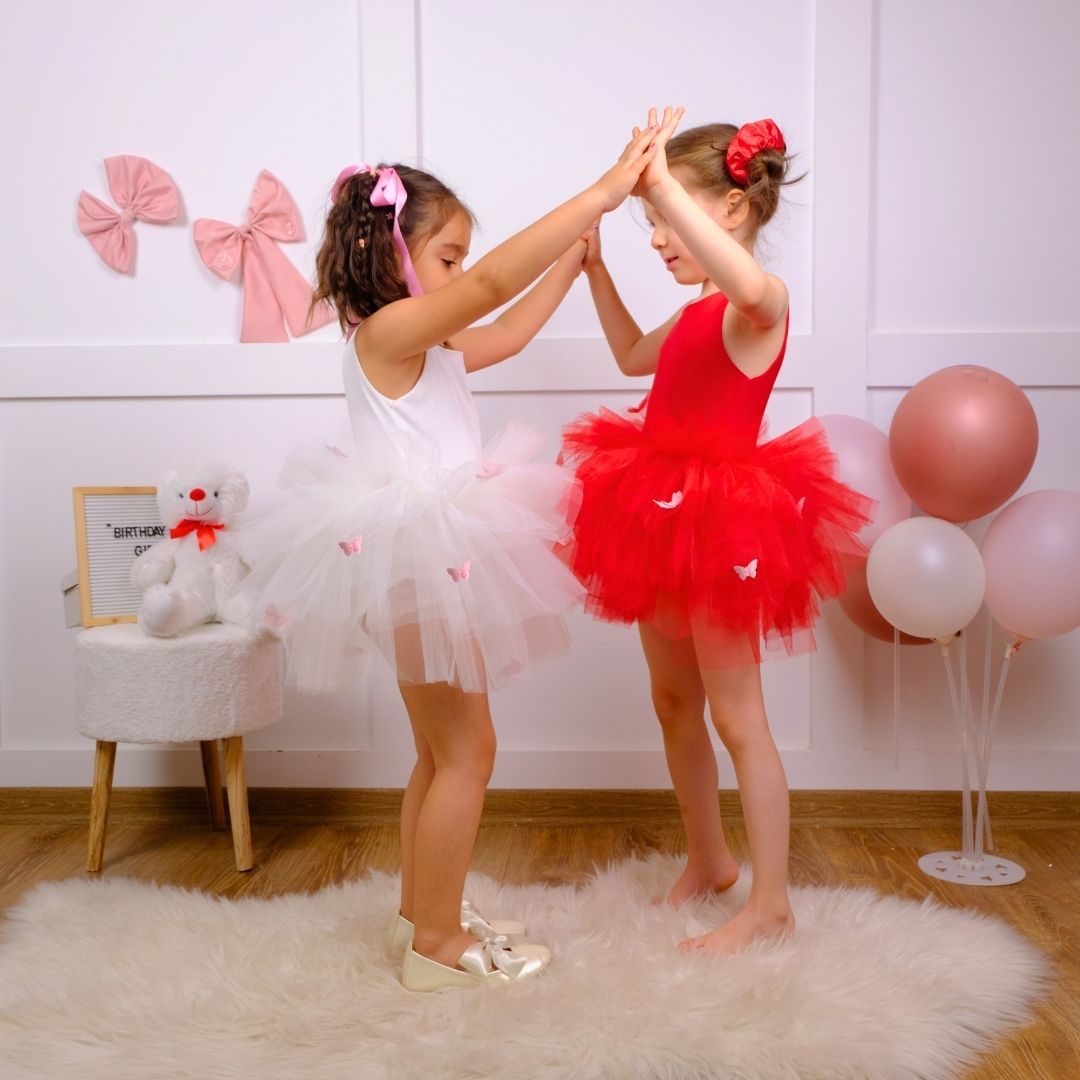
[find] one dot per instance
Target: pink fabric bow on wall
(143, 191)
(273, 287)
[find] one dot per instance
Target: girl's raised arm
(759, 297)
(484, 346)
(635, 353)
(407, 327)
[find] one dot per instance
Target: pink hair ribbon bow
(273, 287)
(143, 191)
(388, 191)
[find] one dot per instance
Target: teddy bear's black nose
(196, 494)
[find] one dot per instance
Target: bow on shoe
(143, 191)
(475, 923)
(491, 954)
(273, 287)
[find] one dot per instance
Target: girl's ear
(736, 209)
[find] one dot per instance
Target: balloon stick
(967, 846)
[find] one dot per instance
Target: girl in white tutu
(416, 542)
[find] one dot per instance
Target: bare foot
(694, 882)
(740, 931)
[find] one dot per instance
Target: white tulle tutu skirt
(450, 575)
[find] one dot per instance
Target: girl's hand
(656, 171)
(614, 186)
(592, 256)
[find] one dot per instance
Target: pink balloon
(1032, 557)
(862, 462)
(963, 441)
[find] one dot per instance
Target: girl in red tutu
(717, 544)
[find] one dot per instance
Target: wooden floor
(307, 840)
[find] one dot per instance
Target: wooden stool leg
(211, 767)
(104, 760)
(236, 782)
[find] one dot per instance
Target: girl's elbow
(491, 282)
(760, 307)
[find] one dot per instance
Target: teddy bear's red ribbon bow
(205, 530)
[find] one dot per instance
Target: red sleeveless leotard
(688, 522)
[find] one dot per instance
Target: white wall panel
(976, 135)
(934, 228)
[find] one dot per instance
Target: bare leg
(415, 792)
(679, 699)
(457, 728)
(737, 708)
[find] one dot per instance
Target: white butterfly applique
(747, 571)
(670, 504)
(459, 573)
(353, 546)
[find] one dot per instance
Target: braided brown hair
(357, 267)
(702, 152)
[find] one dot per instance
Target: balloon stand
(975, 863)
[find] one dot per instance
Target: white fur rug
(119, 980)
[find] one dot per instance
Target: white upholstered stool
(214, 682)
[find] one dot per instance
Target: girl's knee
(740, 726)
(474, 768)
(471, 758)
(425, 760)
(677, 706)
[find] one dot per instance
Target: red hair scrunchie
(749, 141)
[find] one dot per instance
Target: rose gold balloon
(962, 441)
(859, 608)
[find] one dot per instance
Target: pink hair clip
(143, 191)
(749, 141)
(388, 191)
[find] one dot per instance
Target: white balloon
(926, 576)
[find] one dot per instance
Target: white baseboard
(143, 766)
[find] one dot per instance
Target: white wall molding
(1035, 358)
(843, 82)
(299, 369)
(305, 368)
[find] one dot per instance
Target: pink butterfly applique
(747, 571)
(275, 619)
(460, 573)
(351, 547)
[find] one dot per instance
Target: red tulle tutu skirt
(707, 535)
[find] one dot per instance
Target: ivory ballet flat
(400, 932)
(487, 963)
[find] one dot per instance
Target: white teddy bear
(188, 577)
